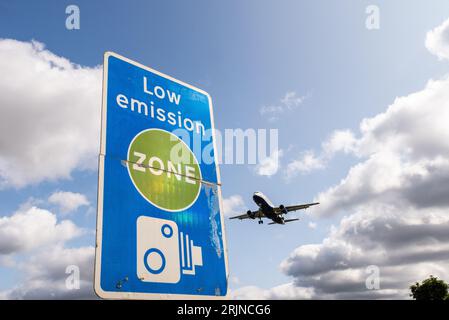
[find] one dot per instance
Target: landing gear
(260, 222)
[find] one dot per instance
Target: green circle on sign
(164, 170)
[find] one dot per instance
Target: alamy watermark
(233, 146)
(372, 281)
(72, 21)
(372, 21)
(72, 282)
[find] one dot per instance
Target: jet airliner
(268, 210)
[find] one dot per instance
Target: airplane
(268, 210)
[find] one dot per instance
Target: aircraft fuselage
(267, 207)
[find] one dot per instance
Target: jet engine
(251, 214)
(283, 210)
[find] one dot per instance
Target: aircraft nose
(256, 198)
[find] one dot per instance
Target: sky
(361, 115)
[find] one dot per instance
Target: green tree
(430, 289)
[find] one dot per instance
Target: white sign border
(99, 230)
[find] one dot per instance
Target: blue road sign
(160, 230)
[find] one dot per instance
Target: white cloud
(289, 102)
(249, 293)
(50, 115)
(306, 163)
(407, 246)
(234, 205)
(404, 152)
(339, 141)
(283, 292)
(44, 275)
(437, 40)
(312, 225)
(68, 201)
(33, 228)
(42, 269)
(395, 200)
(269, 166)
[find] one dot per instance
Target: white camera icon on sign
(163, 252)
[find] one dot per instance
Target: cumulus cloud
(32, 228)
(50, 115)
(289, 102)
(286, 291)
(339, 141)
(233, 205)
(406, 246)
(270, 165)
(437, 40)
(68, 201)
(394, 200)
(42, 270)
(306, 163)
(46, 275)
(404, 152)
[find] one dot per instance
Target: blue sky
(247, 55)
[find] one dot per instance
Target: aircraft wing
(300, 206)
(254, 215)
